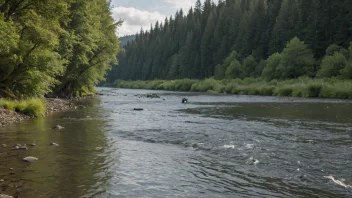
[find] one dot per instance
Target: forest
(55, 47)
(239, 39)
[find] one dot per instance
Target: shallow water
(214, 146)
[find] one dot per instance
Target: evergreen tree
(208, 33)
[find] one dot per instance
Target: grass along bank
(301, 87)
(32, 107)
(12, 111)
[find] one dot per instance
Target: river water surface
(214, 146)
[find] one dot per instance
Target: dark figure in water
(184, 100)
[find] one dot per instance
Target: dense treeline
(127, 39)
(61, 47)
(273, 39)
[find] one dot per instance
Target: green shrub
(283, 91)
(35, 107)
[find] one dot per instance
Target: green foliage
(332, 49)
(194, 45)
(301, 87)
(30, 38)
(296, 60)
(332, 65)
(234, 70)
(249, 65)
(91, 46)
(34, 107)
(208, 85)
(47, 43)
(270, 71)
(219, 72)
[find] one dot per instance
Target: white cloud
(134, 19)
(184, 4)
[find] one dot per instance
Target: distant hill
(125, 39)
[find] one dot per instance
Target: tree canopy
(60, 45)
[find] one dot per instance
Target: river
(214, 146)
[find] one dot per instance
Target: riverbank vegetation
(292, 48)
(301, 87)
(31, 107)
(54, 47)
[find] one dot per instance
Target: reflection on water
(78, 166)
(214, 146)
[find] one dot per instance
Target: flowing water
(213, 146)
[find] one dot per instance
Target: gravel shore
(53, 105)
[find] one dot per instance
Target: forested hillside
(244, 38)
(57, 47)
(127, 39)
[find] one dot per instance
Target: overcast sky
(142, 13)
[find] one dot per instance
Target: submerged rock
(152, 96)
(58, 127)
(33, 144)
(23, 148)
(30, 159)
(138, 109)
(1, 180)
(54, 144)
(148, 95)
(4, 146)
(80, 107)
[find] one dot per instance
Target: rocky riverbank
(52, 105)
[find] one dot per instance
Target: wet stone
(54, 144)
(23, 148)
(30, 159)
(58, 127)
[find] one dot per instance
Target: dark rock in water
(54, 144)
(22, 148)
(147, 95)
(184, 100)
(58, 127)
(80, 106)
(138, 109)
(152, 96)
(30, 159)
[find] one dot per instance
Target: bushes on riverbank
(34, 107)
(301, 87)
